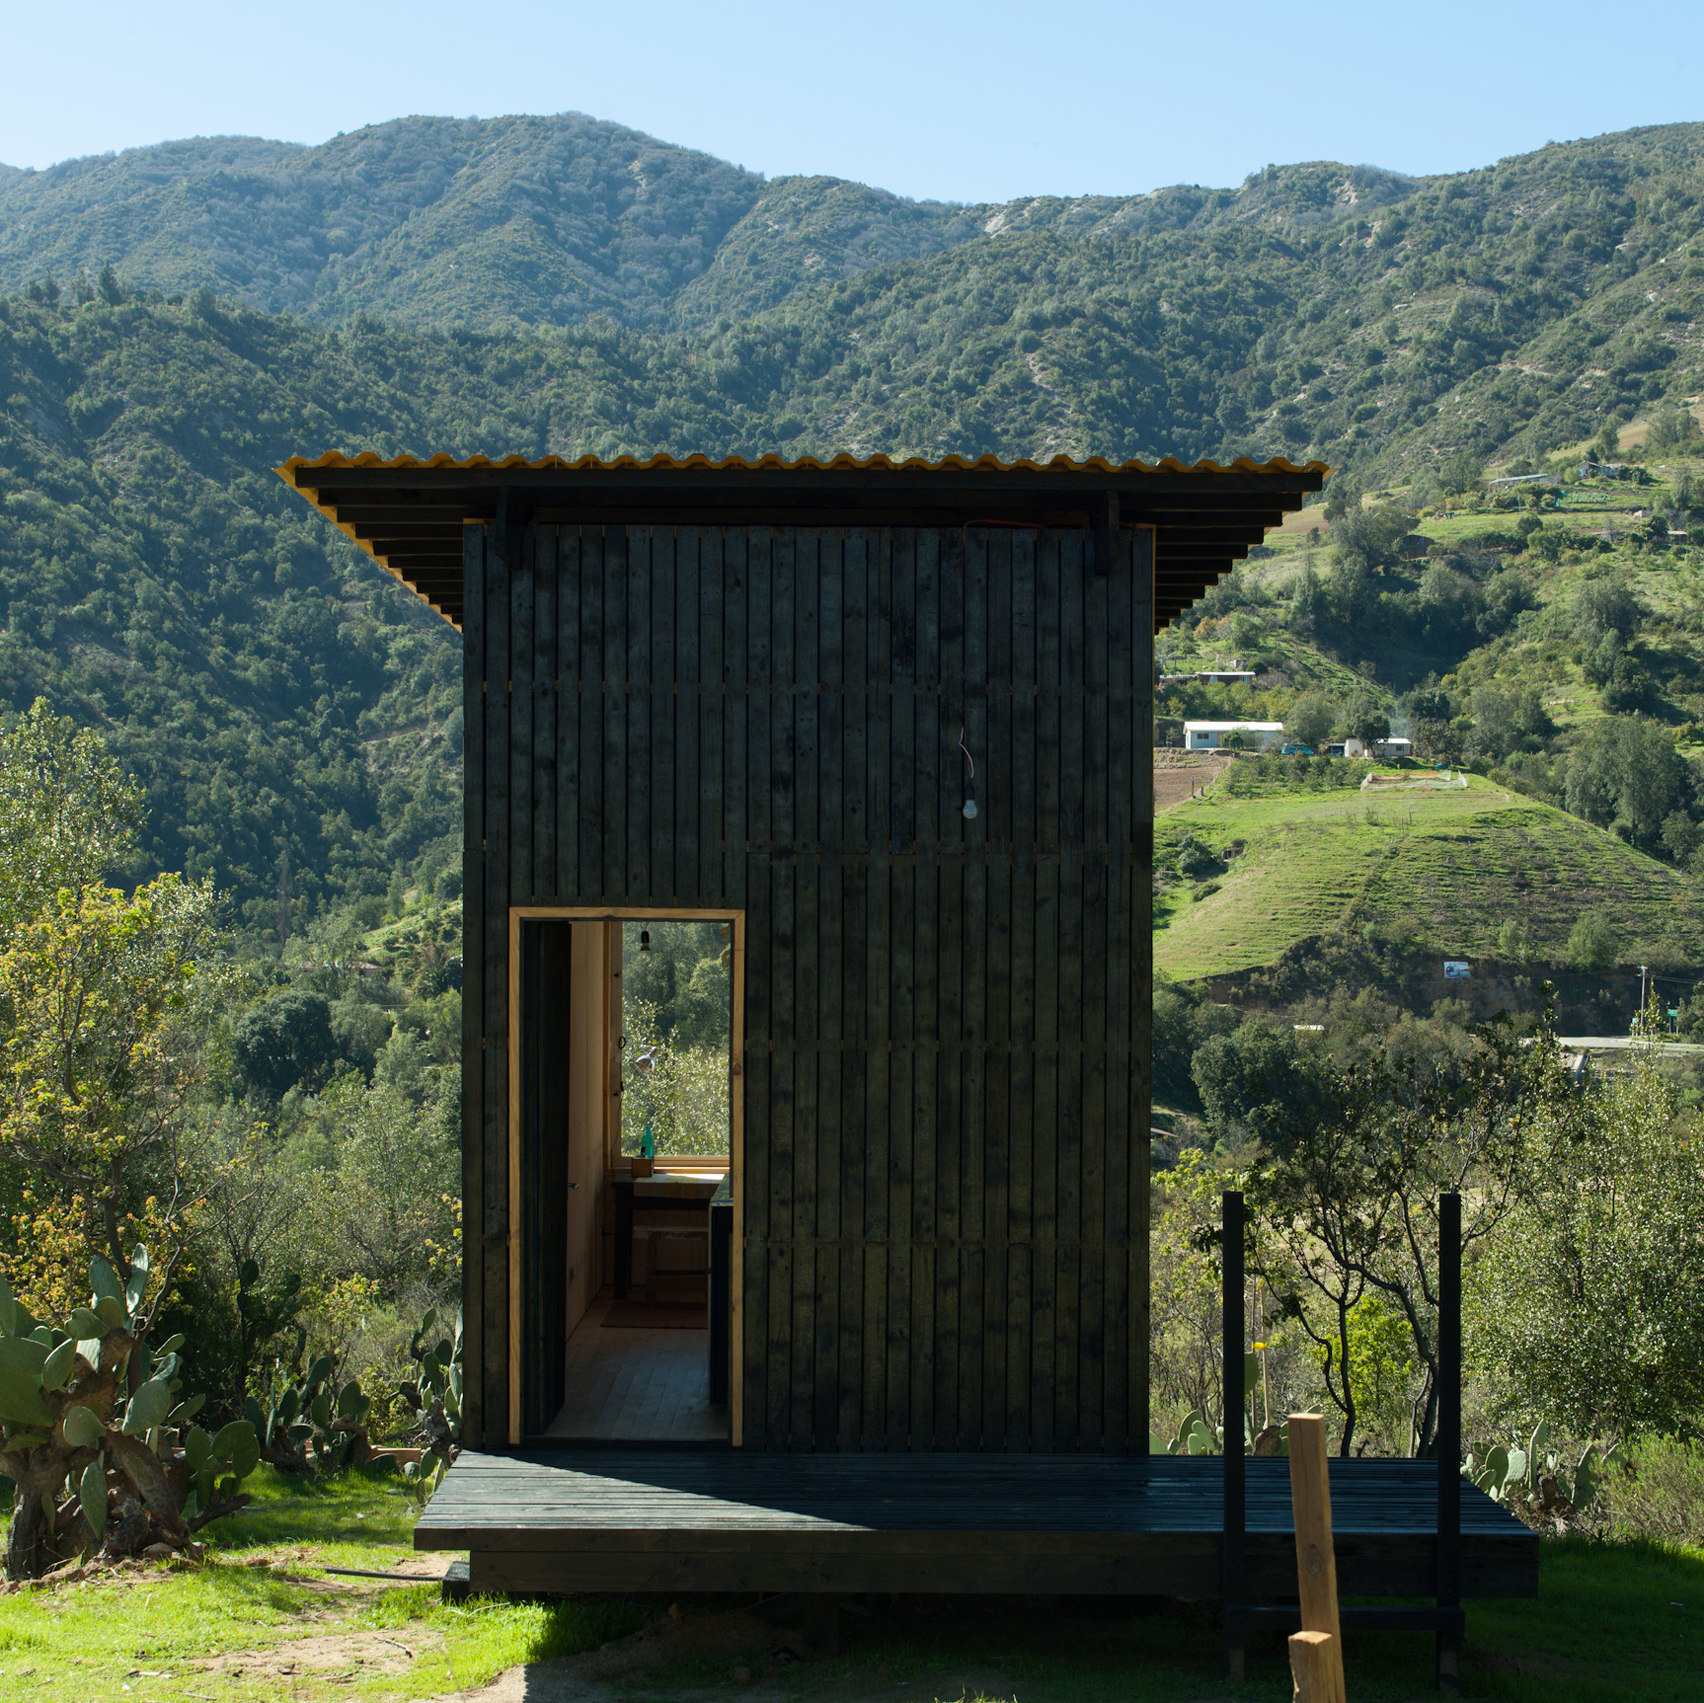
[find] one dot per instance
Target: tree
(1460, 472)
(1591, 942)
(391, 1196)
(104, 998)
(1312, 717)
(1588, 1309)
(1372, 538)
(1429, 712)
(1604, 606)
(285, 1040)
(68, 813)
(1627, 775)
(1183, 1021)
(1681, 837)
(1251, 1080)
(1311, 605)
(1674, 429)
(1349, 1184)
(1364, 718)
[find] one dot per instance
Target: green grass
(262, 1620)
(1442, 870)
(226, 1629)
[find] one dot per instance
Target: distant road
(1620, 1044)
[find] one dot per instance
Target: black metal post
(1235, 1505)
(1449, 1434)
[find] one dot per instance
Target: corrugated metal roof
(407, 512)
(914, 464)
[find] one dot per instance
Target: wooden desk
(666, 1192)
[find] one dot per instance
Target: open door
(624, 1277)
(564, 1034)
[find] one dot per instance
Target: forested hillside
(186, 316)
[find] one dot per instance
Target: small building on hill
(1392, 748)
(1214, 735)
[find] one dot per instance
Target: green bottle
(648, 1142)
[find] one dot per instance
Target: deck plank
(730, 1520)
(681, 1492)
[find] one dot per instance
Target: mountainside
(1369, 317)
(567, 286)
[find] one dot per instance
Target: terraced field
(1441, 870)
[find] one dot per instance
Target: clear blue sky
(978, 102)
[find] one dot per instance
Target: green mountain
(1320, 308)
(184, 317)
(507, 222)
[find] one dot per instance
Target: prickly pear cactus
(316, 1425)
(97, 1436)
(1535, 1481)
(436, 1393)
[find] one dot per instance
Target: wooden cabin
(887, 728)
(874, 740)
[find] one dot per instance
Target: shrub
(1657, 1492)
(1195, 860)
(1591, 942)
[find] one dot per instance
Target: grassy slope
(1442, 869)
(263, 1620)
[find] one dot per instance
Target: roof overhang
(408, 515)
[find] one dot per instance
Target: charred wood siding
(947, 1020)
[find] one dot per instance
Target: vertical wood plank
(665, 706)
(712, 594)
(612, 883)
(476, 1418)
(802, 570)
(639, 883)
(589, 553)
(1102, 967)
(1133, 1271)
(759, 1145)
(523, 706)
(901, 602)
(496, 1229)
(746, 557)
(566, 549)
(546, 691)
(692, 704)
(789, 1396)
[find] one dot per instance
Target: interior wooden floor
(637, 1386)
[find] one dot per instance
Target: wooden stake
(1316, 1560)
(1315, 1661)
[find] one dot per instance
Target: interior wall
(945, 1141)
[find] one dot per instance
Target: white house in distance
(1394, 747)
(1210, 735)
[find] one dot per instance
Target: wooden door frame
(519, 914)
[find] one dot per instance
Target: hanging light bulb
(644, 940)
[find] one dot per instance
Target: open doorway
(627, 1098)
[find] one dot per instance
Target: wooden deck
(573, 1520)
